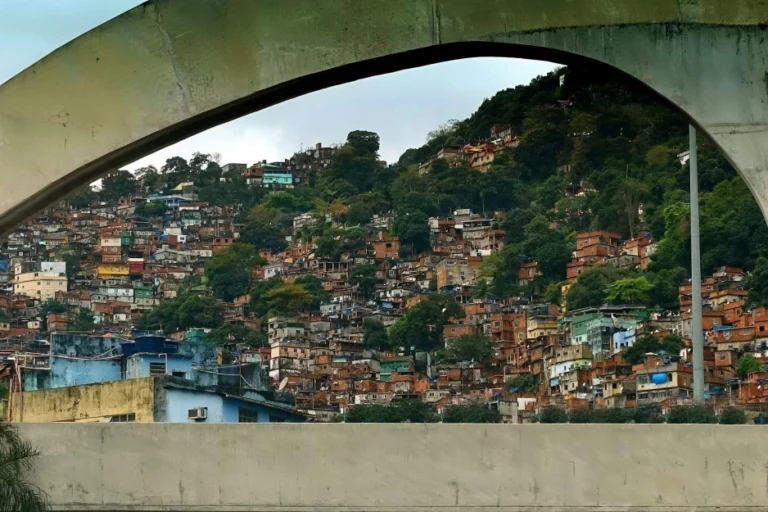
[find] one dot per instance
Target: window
(247, 416)
(157, 368)
(123, 418)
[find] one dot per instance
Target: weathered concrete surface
(401, 467)
(171, 68)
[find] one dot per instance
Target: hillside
(582, 150)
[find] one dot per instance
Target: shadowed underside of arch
(170, 68)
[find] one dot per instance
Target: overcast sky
(401, 107)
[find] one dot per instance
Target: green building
(595, 326)
(395, 364)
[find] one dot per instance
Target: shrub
(650, 414)
(613, 415)
(471, 414)
(554, 415)
(733, 416)
(691, 414)
(582, 416)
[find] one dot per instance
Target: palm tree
(17, 494)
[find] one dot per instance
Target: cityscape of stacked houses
(315, 366)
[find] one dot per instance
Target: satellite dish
(283, 383)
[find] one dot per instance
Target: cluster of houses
(315, 365)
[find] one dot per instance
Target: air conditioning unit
(199, 413)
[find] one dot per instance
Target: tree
(364, 277)
(149, 209)
(229, 270)
(589, 289)
(422, 326)
(474, 347)
(117, 184)
(196, 311)
(524, 383)
(150, 177)
(84, 321)
(183, 312)
(747, 364)
(413, 229)
(674, 248)
(549, 247)
(17, 494)
(233, 333)
(630, 290)
(471, 414)
(665, 293)
(175, 170)
(375, 334)
(328, 247)
(259, 304)
(757, 282)
(364, 143)
(263, 231)
(288, 298)
(314, 286)
(554, 294)
(646, 343)
(72, 259)
(551, 191)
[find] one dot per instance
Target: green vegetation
(471, 347)
(554, 415)
(400, 411)
(17, 494)
(232, 333)
(375, 334)
(148, 209)
(671, 344)
(85, 321)
(525, 383)
(416, 411)
(422, 326)
(747, 364)
(229, 270)
(733, 416)
(471, 414)
(691, 414)
(587, 150)
(183, 312)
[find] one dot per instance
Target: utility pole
(697, 333)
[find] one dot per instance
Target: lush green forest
(590, 132)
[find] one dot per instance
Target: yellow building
(113, 270)
(122, 400)
(40, 285)
(156, 399)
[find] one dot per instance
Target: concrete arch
(170, 68)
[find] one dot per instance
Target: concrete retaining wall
(175, 467)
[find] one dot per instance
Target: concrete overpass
(171, 68)
(403, 468)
